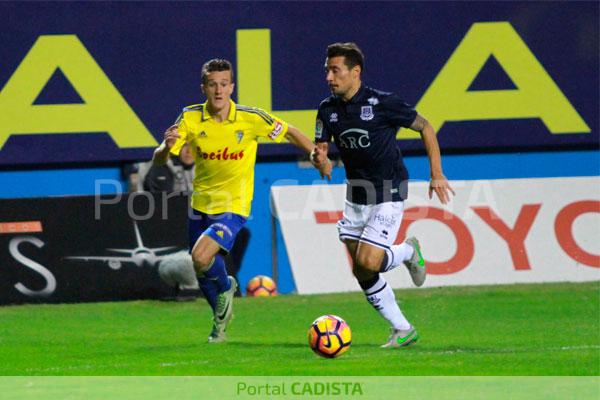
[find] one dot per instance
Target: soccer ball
(329, 336)
(261, 286)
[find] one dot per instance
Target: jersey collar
(358, 96)
(230, 117)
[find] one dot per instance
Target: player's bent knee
(370, 262)
(201, 261)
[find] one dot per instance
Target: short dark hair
(216, 64)
(352, 54)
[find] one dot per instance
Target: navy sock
(210, 290)
(218, 274)
(368, 284)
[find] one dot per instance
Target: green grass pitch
(541, 329)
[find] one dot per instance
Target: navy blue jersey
(364, 131)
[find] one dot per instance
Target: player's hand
(171, 136)
(440, 185)
(325, 169)
(318, 158)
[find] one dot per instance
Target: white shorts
(376, 224)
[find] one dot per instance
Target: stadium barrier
(493, 232)
(80, 249)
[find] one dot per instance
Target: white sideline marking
(191, 362)
(350, 355)
(92, 366)
(519, 350)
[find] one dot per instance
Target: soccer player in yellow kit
(224, 136)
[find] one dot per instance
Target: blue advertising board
(99, 82)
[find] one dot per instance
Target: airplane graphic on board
(140, 256)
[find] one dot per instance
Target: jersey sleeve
(183, 133)
(322, 133)
(269, 126)
(400, 114)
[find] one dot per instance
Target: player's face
(218, 89)
(340, 78)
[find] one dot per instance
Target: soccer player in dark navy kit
(363, 123)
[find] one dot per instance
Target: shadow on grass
(287, 345)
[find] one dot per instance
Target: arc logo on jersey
(222, 154)
(354, 139)
(333, 117)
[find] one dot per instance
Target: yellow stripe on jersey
(226, 154)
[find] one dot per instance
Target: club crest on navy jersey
(366, 113)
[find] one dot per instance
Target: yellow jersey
(225, 154)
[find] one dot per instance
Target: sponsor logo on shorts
(223, 228)
(387, 221)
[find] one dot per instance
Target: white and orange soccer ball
(261, 286)
(329, 336)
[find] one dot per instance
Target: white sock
(396, 255)
(382, 298)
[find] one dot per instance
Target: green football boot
(416, 265)
(223, 313)
(400, 338)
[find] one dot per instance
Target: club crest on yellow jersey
(239, 135)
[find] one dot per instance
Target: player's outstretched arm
(438, 184)
(161, 154)
(318, 157)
